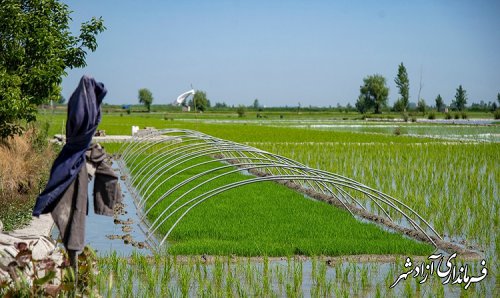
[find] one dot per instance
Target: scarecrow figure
(66, 193)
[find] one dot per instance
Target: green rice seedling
(184, 279)
(408, 289)
(230, 282)
(330, 285)
(314, 262)
(151, 280)
(297, 278)
(280, 276)
(165, 275)
(249, 276)
(338, 291)
(418, 288)
(128, 287)
(265, 276)
(378, 292)
(439, 291)
(241, 290)
(389, 278)
(257, 290)
(346, 272)
(289, 266)
(320, 280)
(364, 276)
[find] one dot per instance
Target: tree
(373, 94)
(498, 98)
(241, 111)
(421, 105)
(256, 104)
(219, 105)
(348, 107)
(61, 100)
(399, 106)
(361, 105)
(201, 103)
(146, 98)
(36, 47)
(403, 84)
(439, 103)
(460, 98)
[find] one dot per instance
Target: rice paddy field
(264, 219)
(449, 173)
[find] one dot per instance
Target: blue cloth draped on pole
(84, 115)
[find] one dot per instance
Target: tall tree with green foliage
(146, 98)
(373, 93)
(61, 100)
(421, 106)
(361, 105)
(439, 103)
(256, 104)
(241, 111)
(200, 101)
(36, 47)
(460, 98)
(403, 84)
(498, 98)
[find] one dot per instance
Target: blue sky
(286, 52)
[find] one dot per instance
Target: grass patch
(24, 169)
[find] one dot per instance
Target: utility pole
(194, 99)
(420, 85)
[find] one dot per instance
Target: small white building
(135, 129)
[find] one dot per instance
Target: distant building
(186, 109)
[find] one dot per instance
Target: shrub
(464, 115)
(447, 116)
(413, 119)
(432, 116)
(39, 136)
(496, 114)
(241, 111)
(405, 117)
(457, 116)
(397, 130)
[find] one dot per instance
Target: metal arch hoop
(193, 144)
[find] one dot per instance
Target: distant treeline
(139, 108)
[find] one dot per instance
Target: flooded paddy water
(120, 234)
